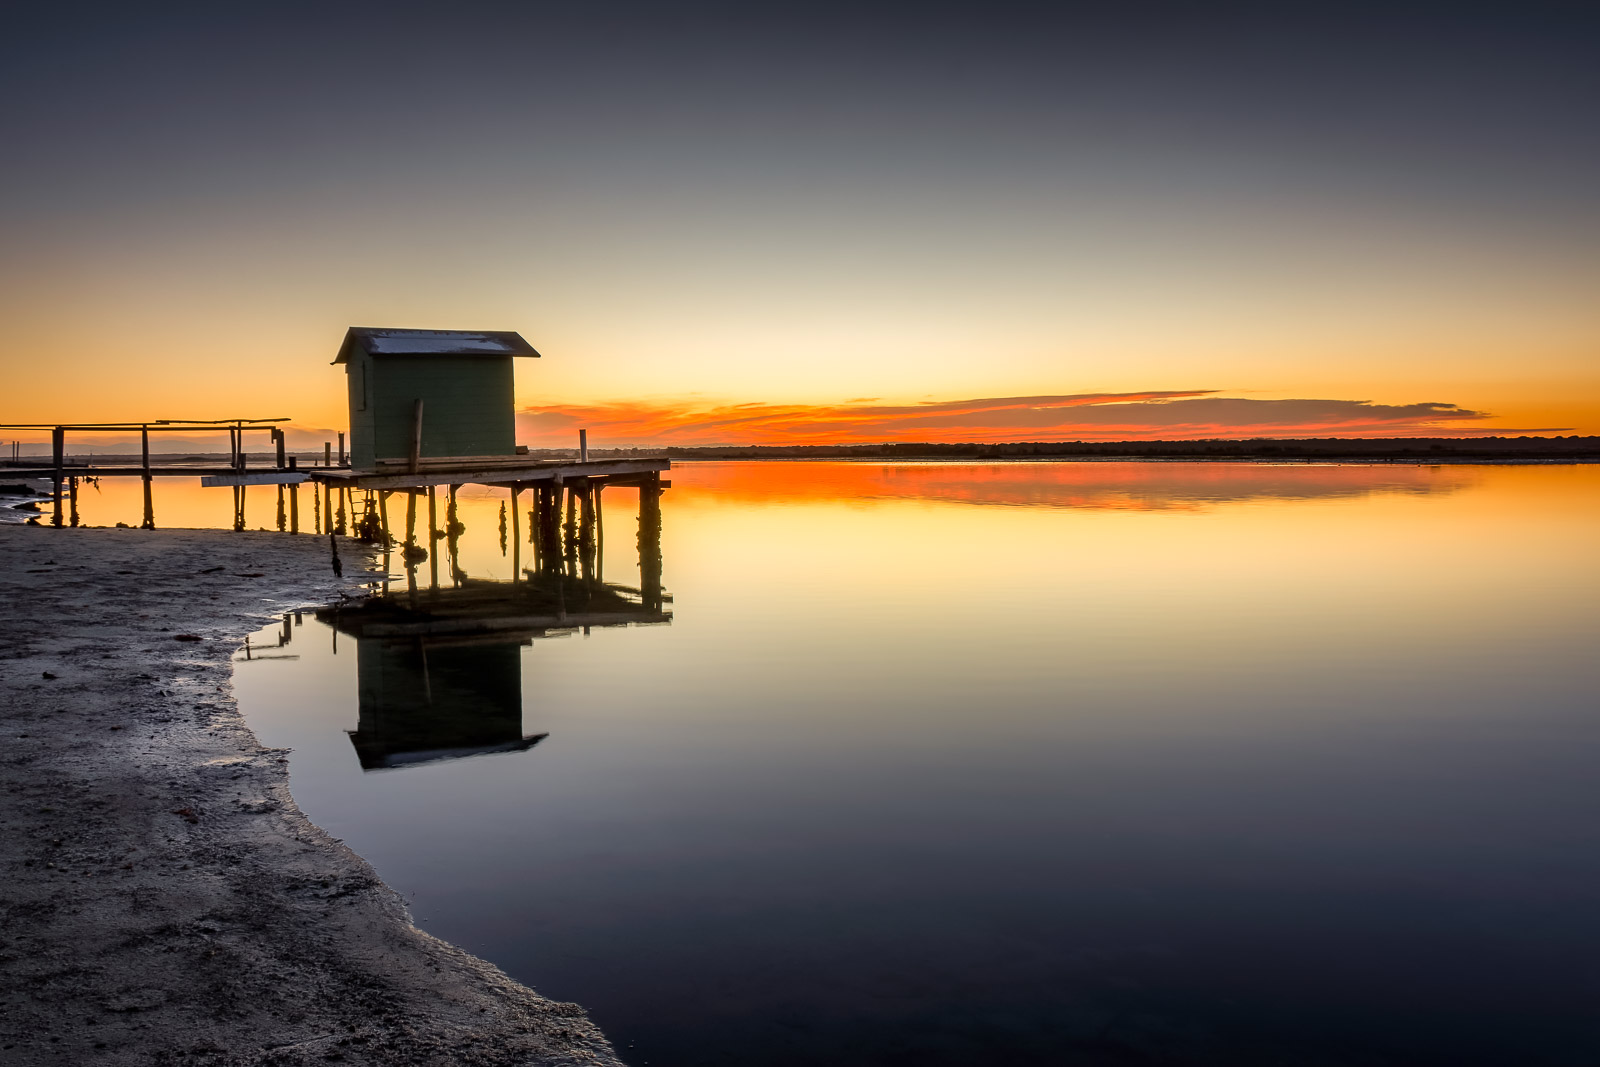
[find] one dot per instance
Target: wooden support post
(280, 509)
(433, 541)
(452, 530)
(550, 531)
(316, 508)
(327, 453)
(586, 531)
(280, 439)
(58, 445)
(383, 516)
(570, 530)
(294, 509)
(583, 446)
(345, 505)
(72, 484)
(411, 517)
(416, 434)
(149, 522)
(650, 540)
(238, 506)
(341, 448)
(599, 534)
(516, 536)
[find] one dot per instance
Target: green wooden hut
(444, 394)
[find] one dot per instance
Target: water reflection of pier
(440, 667)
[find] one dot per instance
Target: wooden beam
(416, 435)
(211, 481)
(498, 476)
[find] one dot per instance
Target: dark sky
(970, 163)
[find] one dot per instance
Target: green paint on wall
(467, 409)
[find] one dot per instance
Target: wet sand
(163, 900)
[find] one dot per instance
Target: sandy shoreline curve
(164, 901)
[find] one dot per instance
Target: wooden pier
(66, 475)
(336, 486)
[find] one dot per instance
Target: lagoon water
(1013, 764)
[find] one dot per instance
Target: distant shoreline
(1425, 450)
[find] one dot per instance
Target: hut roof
(381, 341)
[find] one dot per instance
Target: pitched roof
(381, 341)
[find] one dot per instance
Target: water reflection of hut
(426, 700)
(440, 671)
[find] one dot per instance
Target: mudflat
(163, 900)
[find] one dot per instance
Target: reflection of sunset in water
(1253, 715)
(1122, 485)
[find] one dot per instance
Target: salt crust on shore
(163, 899)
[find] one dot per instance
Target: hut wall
(358, 380)
(468, 407)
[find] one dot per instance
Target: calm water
(1033, 763)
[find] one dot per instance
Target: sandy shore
(163, 900)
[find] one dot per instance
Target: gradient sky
(835, 216)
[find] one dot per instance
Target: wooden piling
(516, 536)
(280, 509)
(383, 517)
(58, 446)
(650, 540)
(570, 530)
(149, 522)
(433, 541)
(316, 508)
(586, 530)
(599, 534)
(294, 509)
(280, 439)
(72, 484)
(341, 448)
(327, 453)
(411, 517)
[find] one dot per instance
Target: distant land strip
(1412, 449)
(1388, 449)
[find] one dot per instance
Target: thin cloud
(1184, 414)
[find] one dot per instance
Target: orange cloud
(1168, 415)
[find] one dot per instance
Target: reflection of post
(294, 509)
(650, 540)
(149, 522)
(72, 487)
(58, 448)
